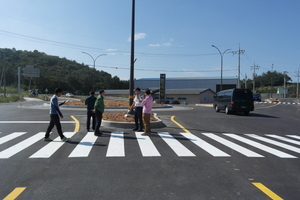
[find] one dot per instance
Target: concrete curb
(157, 124)
(109, 108)
(205, 105)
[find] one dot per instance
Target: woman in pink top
(147, 108)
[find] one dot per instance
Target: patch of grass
(9, 99)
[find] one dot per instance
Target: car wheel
(227, 110)
(217, 109)
(246, 113)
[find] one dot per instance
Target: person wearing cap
(138, 114)
(99, 110)
(90, 102)
(147, 109)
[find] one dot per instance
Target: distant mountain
(55, 72)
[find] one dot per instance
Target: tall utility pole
(131, 81)
(284, 84)
(254, 67)
(239, 64)
(297, 75)
(245, 81)
(272, 81)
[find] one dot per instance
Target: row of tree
(55, 72)
(270, 78)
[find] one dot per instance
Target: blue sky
(172, 36)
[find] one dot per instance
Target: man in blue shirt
(90, 102)
(54, 116)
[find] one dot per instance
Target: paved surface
(199, 154)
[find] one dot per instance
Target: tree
(55, 71)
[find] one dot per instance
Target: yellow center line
(268, 106)
(15, 193)
(267, 191)
(184, 129)
(77, 124)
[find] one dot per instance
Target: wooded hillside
(55, 72)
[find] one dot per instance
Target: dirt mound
(113, 116)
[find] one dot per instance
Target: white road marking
(175, 145)
(233, 146)
(294, 136)
(10, 137)
(284, 139)
(21, 146)
(85, 146)
(51, 147)
(147, 147)
(34, 122)
(205, 146)
(280, 144)
(116, 147)
(260, 146)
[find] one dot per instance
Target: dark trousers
(98, 122)
(90, 115)
(54, 120)
(138, 117)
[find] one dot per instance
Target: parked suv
(234, 100)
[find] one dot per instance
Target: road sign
(30, 71)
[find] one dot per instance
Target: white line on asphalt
(233, 146)
(260, 146)
(294, 136)
(284, 139)
(52, 147)
(146, 145)
(22, 145)
(175, 145)
(85, 146)
(34, 122)
(280, 144)
(10, 137)
(205, 146)
(116, 147)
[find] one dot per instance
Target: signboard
(162, 87)
(30, 71)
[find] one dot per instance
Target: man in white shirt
(138, 114)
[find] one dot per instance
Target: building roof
(186, 78)
(168, 91)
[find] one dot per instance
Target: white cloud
(160, 45)
(138, 36)
(111, 49)
(167, 44)
(154, 45)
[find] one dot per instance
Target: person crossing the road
(147, 108)
(138, 114)
(55, 114)
(99, 110)
(90, 102)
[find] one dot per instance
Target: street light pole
(131, 81)
(221, 54)
(94, 60)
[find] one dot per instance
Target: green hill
(55, 72)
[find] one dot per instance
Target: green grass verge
(10, 99)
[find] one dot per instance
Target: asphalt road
(199, 154)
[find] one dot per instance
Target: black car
(174, 102)
(234, 100)
(256, 96)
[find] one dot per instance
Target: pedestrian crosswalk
(181, 145)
